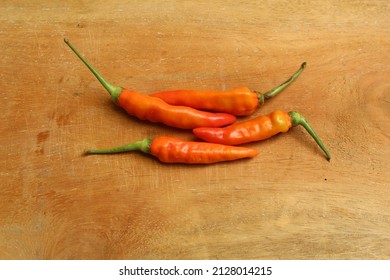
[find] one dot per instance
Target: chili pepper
(174, 150)
(256, 129)
(240, 101)
(149, 108)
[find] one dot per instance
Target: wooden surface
(287, 203)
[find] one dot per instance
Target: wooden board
(287, 203)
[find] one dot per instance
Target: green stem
(114, 91)
(281, 87)
(142, 146)
(298, 119)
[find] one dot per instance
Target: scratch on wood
(42, 136)
(221, 72)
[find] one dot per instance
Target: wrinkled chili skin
(252, 130)
(173, 150)
(153, 109)
(239, 102)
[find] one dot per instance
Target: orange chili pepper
(240, 101)
(146, 107)
(173, 150)
(256, 129)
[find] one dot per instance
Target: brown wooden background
(287, 203)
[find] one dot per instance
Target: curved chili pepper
(173, 150)
(256, 129)
(146, 107)
(240, 101)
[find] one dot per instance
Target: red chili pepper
(256, 129)
(173, 150)
(239, 101)
(146, 107)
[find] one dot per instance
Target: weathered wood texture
(287, 203)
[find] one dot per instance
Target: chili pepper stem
(114, 91)
(142, 146)
(298, 119)
(276, 90)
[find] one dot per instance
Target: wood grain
(287, 203)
